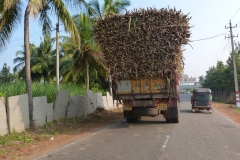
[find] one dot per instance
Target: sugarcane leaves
(143, 43)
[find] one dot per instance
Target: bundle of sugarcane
(143, 43)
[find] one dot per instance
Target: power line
(236, 29)
(235, 13)
(227, 45)
(21, 38)
(208, 37)
(19, 44)
(220, 51)
(220, 44)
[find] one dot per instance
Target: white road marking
(166, 141)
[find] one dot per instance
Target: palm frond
(45, 20)
(10, 19)
(96, 6)
(67, 21)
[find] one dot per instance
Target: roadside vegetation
(220, 77)
(11, 145)
(81, 63)
(41, 89)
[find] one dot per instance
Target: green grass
(41, 89)
(237, 110)
(22, 138)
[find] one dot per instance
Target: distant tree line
(220, 78)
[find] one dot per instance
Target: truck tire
(137, 119)
(168, 120)
(129, 120)
(176, 120)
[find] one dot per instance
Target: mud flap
(172, 115)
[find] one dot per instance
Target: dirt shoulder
(64, 132)
(55, 135)
(228, 110)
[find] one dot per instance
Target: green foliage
(201, 80)
(43, 60)
(15, 136)
(221, 77)
(109, 7)
(189, 89)
(41, 89)
(5, 75)
(2, 94)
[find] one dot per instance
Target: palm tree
(11, 14)
(20, 58)
(10, 17)
(19, 69)
(109, 7)
(43, 61)
(76, 63)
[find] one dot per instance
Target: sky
(209, 18)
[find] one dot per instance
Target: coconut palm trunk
(87, 70)
(27, 64)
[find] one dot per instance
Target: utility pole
(57, 57)
(234, 66)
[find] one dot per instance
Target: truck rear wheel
(137, 119)
(168, 120)
(134, 119)
(175, 120)
(129, 120)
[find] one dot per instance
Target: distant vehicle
(201, 99)
(188, 92)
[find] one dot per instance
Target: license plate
(162, 106)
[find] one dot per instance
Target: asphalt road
(198, 136)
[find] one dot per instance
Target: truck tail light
(209, 103)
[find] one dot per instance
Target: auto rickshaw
(201, 99)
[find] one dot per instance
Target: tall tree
(5, 74)
(43, 61)
(89, 56)
(20, 58)
(201, 80)
(109, 7)
(10, 18)
(10, 11)
(20, 68)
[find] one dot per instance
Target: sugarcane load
(143, 50)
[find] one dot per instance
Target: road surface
(198, 136)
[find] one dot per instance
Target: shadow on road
(149, 122)
(185, 111)
(190, 111)
(125, 124)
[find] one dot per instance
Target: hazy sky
(209, 18)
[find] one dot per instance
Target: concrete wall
(18, 113)
(3, 117)
(61, 105)
(42, 111)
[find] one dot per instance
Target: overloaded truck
(144, 55)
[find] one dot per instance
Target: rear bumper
(201, 107)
